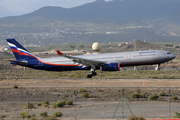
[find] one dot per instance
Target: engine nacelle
(110, 67)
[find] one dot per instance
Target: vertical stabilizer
(19, 51)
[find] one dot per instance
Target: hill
(112, 11)
(100, 21)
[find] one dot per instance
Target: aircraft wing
(82, 61)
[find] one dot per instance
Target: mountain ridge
(119, 10)
(123, 19)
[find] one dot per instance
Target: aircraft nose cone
(173, 56)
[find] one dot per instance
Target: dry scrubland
(91, 95)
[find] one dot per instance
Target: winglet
(59, 53)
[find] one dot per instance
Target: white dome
(95, 46)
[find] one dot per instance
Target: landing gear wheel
(94, 73)
(89, 76)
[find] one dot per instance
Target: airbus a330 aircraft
(103, 62)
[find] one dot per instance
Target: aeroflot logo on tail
(146, 52)
(20, 51)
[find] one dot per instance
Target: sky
(20, 7)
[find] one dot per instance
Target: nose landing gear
(157, 67)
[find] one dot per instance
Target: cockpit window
(168, 53)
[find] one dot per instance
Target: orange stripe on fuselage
(20, 53)
(56, 64)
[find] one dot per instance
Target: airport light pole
(169, 104)
(134, 49)
(24, 38)
(134, 44)
(27, 105)
(74, 104)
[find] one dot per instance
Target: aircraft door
(159, 54)
(128, 56)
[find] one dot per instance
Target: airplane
(103, 62)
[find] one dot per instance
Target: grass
(1, 107)
(134, 117)
(174, 98)
(15, 87)
(81, 90)
(177, 115)
(33, 118)
(45, 102)
(69, 102)
(58, 114)
(54, 105)
(134, 95)
(27, 74)
(85, 95)
(161, 93)
(154, 97)
(60, 103)
(43, 114)
(39, 104)
(24, 115)
(30, 106)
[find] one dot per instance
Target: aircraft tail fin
(19, 51)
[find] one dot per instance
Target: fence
(91, 103)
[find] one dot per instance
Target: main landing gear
(93, 73)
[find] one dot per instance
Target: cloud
(19, 7)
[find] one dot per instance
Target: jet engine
(110, 67)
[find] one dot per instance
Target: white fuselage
(123, 58)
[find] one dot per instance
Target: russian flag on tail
(19, 51)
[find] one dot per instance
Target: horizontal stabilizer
(23, 63)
